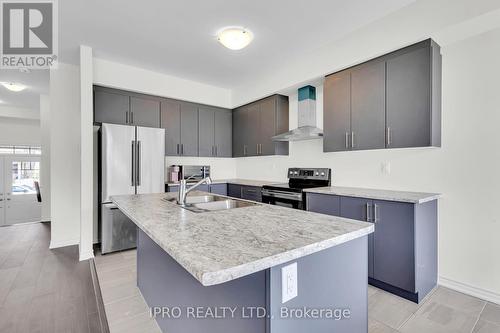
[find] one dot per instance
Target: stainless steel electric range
(291, 194)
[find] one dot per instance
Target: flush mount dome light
(235, 38)
(16, 87)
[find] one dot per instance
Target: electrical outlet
(289, 282)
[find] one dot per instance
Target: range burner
(291, 194)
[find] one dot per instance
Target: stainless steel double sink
(209, 203)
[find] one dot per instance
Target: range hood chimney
(307, 129)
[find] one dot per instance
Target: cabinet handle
(216, 153)
(368, 212)
(178, 149)
(131, 117)
(346, 140)
(388, 134)
(126, 117)
(376, 213)
(212, 150)
(352, 139)
(182, 149)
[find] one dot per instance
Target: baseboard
(63, 243)
(464, 288)
(86, 255)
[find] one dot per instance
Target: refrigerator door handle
(138, 161)
(132, 174)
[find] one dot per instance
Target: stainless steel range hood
(307, 129)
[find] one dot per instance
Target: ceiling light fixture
(234, 38)
(15, 87)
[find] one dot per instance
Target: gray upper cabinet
(393, 101)
(255, 124)
(368, 106)
(170, 120)
(144, 112)
(189, 129)
(337, 112)
(206, 124)
(223, 136)
(111, 107)
(413, 97)
(215, 132)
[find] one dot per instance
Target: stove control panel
(309, 173)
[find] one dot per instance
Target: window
(20, 150)
(24, 175)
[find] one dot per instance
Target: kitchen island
(221, 271)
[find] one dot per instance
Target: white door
(118, 164)
(150, 160)
(2, 193)
(21, 203)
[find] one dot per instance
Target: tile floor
(444, 311)
(43, 290)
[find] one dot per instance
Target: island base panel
(334, 278)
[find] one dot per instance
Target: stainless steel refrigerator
(132, 162)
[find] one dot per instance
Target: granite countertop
(237, 181)
(220, 246)
(389, 195)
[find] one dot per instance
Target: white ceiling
(36, 82)
(177, 37)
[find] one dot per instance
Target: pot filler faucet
(183, 190)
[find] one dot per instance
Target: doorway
(18, 193)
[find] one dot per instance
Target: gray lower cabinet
(220, 189)
(253, 193)
(111, 107)
(393, 101)
(256, 123)
(402, 252)
(234, 190)
(215, 132)
(144, 112)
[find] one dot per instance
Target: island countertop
(378, 194)
(220, 246)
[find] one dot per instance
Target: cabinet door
(324, 204)
(111, 108)
(253, 193)
(189, 129)
(252, 129)
(234, 190)
(408, 99)
(223, 140)
(361, 209)
(368, 106)
(172, 188)
(267, 126)
(337, 112)
(394, 244)
(170, 120)
(220, 189)
(144, 112)
(206, 145)
(238, 124)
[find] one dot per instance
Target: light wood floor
(43, 290)
(444, 311)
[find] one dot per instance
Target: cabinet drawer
(324, 204)
(234, 190)
(251, 193)
(220, 189)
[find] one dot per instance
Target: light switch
(289, 282)
(386, 168)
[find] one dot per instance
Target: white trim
(486, 295)
(63, 243)
(86, 255)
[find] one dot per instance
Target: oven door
(283, 198)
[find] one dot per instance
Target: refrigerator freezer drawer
(118, 232)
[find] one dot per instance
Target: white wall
(45, 158)
(15, 112)
(15, 131)
(65, 155)
(116, 75)
(465, 169)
